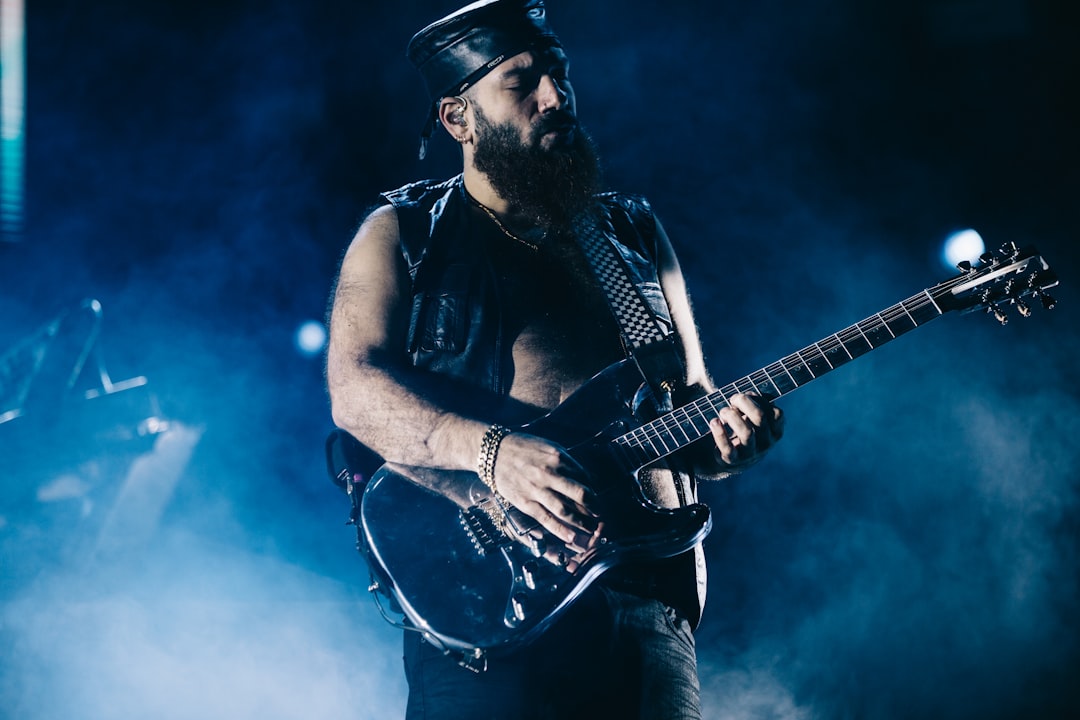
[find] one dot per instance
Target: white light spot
(311, 337)
(962, 245)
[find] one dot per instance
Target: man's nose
(551, 96)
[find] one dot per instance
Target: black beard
(548, 187)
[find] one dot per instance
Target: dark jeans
(613, 655)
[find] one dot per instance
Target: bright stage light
(12, 117)
(311, 337)
(962, 245)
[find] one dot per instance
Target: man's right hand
(540, 479)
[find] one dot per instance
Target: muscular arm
(745, 430)
(386, 404)
(373, 395)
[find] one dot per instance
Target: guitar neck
(679, 428)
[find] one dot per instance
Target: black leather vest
(456, 326)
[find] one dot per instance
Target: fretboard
(690, 422)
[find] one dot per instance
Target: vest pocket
(443, 312)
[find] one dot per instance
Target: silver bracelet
(489, 451)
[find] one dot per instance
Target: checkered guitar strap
(645, 340)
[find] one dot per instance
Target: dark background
(909, 550)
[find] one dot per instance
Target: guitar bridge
(482, 525)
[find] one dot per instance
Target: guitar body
(472, 587)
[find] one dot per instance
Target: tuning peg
(964, 266)
(1023, 308)
(1000, 316)
(987, 257)
(1009, 249)
(1048, 301)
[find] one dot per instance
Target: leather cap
(453, 53)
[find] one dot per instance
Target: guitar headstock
(1006, 279)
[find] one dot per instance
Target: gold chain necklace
(495, 218)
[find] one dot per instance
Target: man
(468, 306)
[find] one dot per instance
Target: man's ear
(452, 116)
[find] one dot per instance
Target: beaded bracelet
(489, 451)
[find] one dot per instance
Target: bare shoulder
(373, 259)
(371, 289)
(382, 219)
(377, 235)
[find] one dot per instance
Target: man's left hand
(746, 429)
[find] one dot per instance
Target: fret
(805, 364)
(648, 435)
(688, 427)
(886, 326)
(784, 383)
(681, 428)
(765, 384)
(718, 400)
(707, 408)
(932, 302)
(669, 424)
(844, 347)
(784, 367)
(745, 385)
(901, 323)
(923, 313)
(836, 354)
(661, 435)
(797, 370)
(903, 306)
(819, 364)
(815, 364)
(876, 335)
(640, 437)
(698, 420)
(858, 326)
(856, 345)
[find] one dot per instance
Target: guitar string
(655, 430)
(819, 350)
(866, 330)
(678, 419)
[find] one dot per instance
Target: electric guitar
(475, 577)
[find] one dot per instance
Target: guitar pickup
(519, 604)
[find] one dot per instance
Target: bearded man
(469, 306)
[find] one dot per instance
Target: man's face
(531, 92)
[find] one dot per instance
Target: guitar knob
(1047, 300)
(1023, 308)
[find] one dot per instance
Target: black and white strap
(646, 341)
